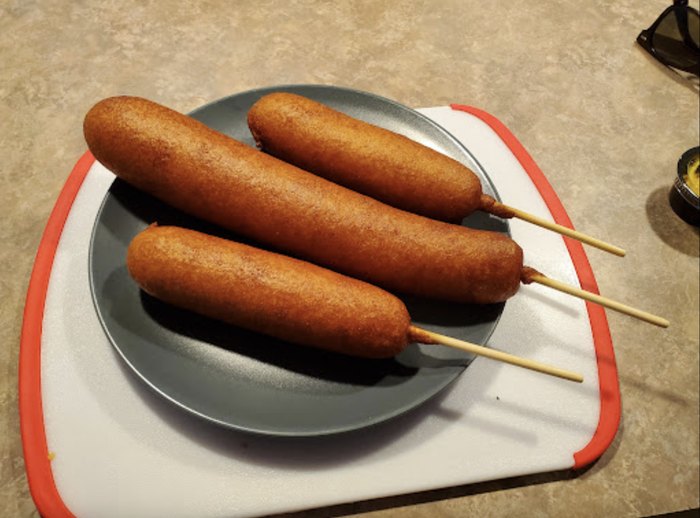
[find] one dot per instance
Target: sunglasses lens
(694, 27)
(668, 40)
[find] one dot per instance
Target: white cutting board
(117, 449)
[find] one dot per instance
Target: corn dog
(368, 159)
(269, 293)
(214, 177)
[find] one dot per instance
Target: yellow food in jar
(692, 176)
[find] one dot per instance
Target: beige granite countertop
(603, 121)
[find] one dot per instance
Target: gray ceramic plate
(250, 382)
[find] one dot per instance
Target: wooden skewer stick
(603, 301)
(428, 337)
(561, 229)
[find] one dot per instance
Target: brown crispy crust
(268, 293)
(364, 157)
(216, 178)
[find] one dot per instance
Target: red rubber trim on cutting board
(36, 452)
(610, 406)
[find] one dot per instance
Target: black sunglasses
(673, 38)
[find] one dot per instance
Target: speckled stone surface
(604, 122)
